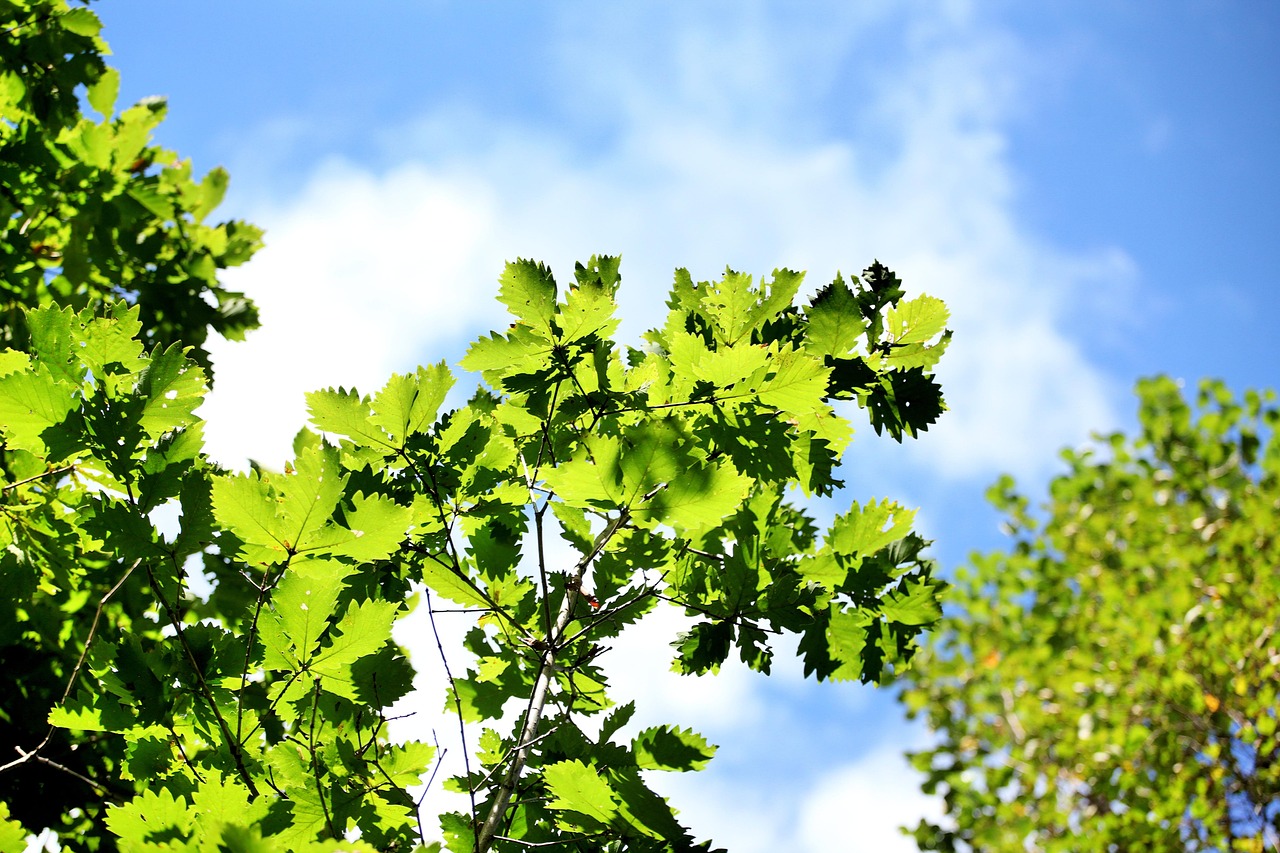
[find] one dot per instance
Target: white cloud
(858, 808)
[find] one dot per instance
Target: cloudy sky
(1091, 186)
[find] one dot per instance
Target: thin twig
(457, 704)
(315, 761)
(65, 469)
(75, 672)
(542, 684)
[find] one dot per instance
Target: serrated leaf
(151, 815)
(310, 494)
(863, 530)
(212, 190)
(31, 403)
(13, 361)
(835, 321)
(102, 94)
(669, 748)
(503, 355)
(82, 22)
(407, 762)
(916, 320)
(588, 310)
(12, 834)
(798, 384)
(362, 630)
(727, 366)
(344, 412)
(528, 290)
(377, 526)
(698, 499)
(592, 478)
(615, 720)
(408, 405)
(444, 581)
(152, 200)
(644, 810)
(913, 602)
(306, 598)
(173, 387)
(577, 787)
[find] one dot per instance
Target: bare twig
(457, 704)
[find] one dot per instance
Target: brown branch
(542, 684)
(51, 472)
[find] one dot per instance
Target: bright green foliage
(253, 717)
(90, 210)
(257, 719)
(1111, 682)
(91, 213)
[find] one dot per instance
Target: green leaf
(82, 22)
(577, 787)
(151, 200)
(698, 499)
(152, 816)
(592, 477)
(529, 292)
(102, 94)
(12, 834)
(916, 320)
(835, 321)
(669, 748)
(13, 361)
(346, 413)
(914, 602)
(212, 190)
(503, 355)
(306, 598)
(363, 629)
(408, 405)
(798, 384)
(864, 530)
(447, 583)
(31, 403)
(173, 386)
(378, 525)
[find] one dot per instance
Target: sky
(1091, 186)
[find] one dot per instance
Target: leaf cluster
(1110, 682)
(91, 210)
(259, 711)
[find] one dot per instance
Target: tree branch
(542, 684)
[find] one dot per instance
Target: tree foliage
(1110, 682)
(253, 716)
(91, 212)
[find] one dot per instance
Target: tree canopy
(1110, 682)
(253, 716)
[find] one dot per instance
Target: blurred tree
(91, 212)
(1110, 683)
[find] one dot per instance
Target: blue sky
(1091, 186)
